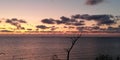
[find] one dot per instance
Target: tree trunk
(68, 55)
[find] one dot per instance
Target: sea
(51, 48)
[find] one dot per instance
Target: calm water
(26, 48)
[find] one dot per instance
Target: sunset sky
(34, 10)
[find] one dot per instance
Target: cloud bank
(78, 20)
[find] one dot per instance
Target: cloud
(65, 19)
(77, 16)
(48, 21)
(58, 22)
(8, 21)
(70, 21)
(93, 2)
(14, 19)
(79, 20)
(107, 22)
(22, 21)
(16, 22)
(78, 24)
(41, 26)
(100, 19)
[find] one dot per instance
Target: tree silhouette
(74, 40)
(104, 57)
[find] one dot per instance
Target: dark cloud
(78, 24)
(79, 20)
(93, 2)
(15, 22)
(42, 27)
(85, 16)
(100, 19)
(103, 19)
(8, 21)
(48, 21)
(106, 22)
(58, 22)
(77, 16)
(65, 19)
(22, 21)
(73, 20)
(14, 19)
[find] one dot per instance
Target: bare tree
(74, 40)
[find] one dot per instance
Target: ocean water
(45, 48)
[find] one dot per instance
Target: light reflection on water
(17, 48)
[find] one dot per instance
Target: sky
(35, 10)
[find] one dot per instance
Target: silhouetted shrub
(104, 57)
